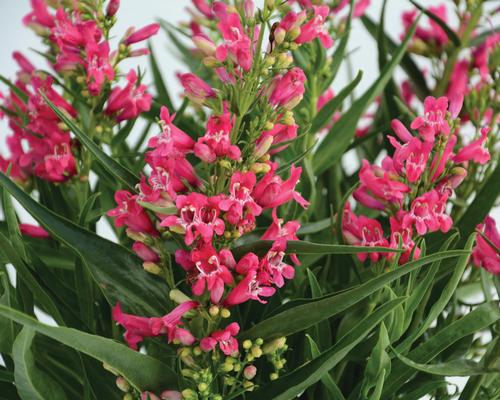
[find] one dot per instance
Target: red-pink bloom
(196, 89)
(481, 54)
(315, 28)
(272, 268)
(198, 216)
(145, 252)
(280, 133)
(98, 66)
(40, 15)
(248, 262)
(128, 102)
(142, 34)
(434, 34)
(403, 235)
(26, 66)
(237, 44)
(33, 231)
(434, 121)
(410, 159)
(149, 396)
(212, 271)
(240, 202)
(112, 8)
(58, 166)
(217, 142)
(363, 231)
(224, 338)
(171, 395)
(172, 322)
(159, 189)
(131, 214)
(171, 142)
(203, 7)
(287, 231)
(439, 161)
(475, 151)
(172, 173)
(428, 213)
(272, 191)
(380, 186)
(287, 90)
(486, 253)
(250, 288)
(459, 80)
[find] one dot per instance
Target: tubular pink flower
(112, 8)
(33, 231)
(142, 34)
(131, 214)
(486, 254)
(475, 151)
(250, 288)
(315, 28)
(196, 89)
(273, 270)
(434, 122)
(224, 338)
(288, 90)
(145, 252)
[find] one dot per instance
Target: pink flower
(403, 235)
(434, 34)
(410, 159)
(33, 231)
(224, 338)
(128, 102)
(486, 253)
(287, 90)
(481, 54)
(216, 142)
(198, 216)
(172, 321)
(475, 151)
(112, 8)
(273, 269)
(98, 66)
(434, 121)
(287, 231)
(58, 166)
(459, 79)
(145, 252)
(363, 231)
(142, 34)
(131, 214)
(428, 213)
(211, 271)
(172, 174)
(271, 191)
(250, 288)
(240, 202)
(380, 186)
(197, 90)
(315, 28)
(171, 142)
(171, 395)
(40, 15)
(149, 396)
(279, 134)
(237, 44)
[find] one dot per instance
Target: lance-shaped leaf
(117, 271)
(142, 371)
(161, 88)
(124, 175)
(32, 383)
(340, 136)
(292, 384)
(309, 313)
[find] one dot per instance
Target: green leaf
(161, 89)
(121, 173)
(325, 115)
(294, 383)
(18, 92)
(32, 383)
(330, 385)
(313, 311)
(340, 136)
(450, 368)
(449, 32)
(447, 293)
(303, 247)
(118, 271)
(142, 371)
(315, 227)
(473, 322)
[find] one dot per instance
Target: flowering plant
(271, 238)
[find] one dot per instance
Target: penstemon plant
(273, 238)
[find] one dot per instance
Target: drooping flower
(224, 338)
(434, 121)
(130, 214)
(403, 235)
(428, 213)
(486, 253)
(250, 288)
(410, 159)
(315, 28)
(98, 66)
(475, 151)
(58, 166)
(33, 231)
(279, 230)
(272, 267)
(142, 34)
(288, 90)
(196, 89)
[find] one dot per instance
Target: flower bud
(274, 345)
(293, 33)
(249, 372)
(202, 386)
(205, 45)
(247, 344)
(152, 268)
(256, 351)
(122, 384)
(211, 62)
(249, 386)
(189, 394)
(213, 310)
(258, 168)
(177, 296)
(171, 395)
(288, 118)
(225, 313)
(279, 35)
(263, 147)
(269, 61)
(197, 351)
(149, 396)
(112, 8)
(142, 34)
(128, 396)
(284, 60)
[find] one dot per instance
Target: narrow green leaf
(480, 318)
(340, 136)
(32, 383)
(121, 173)
(443, 25)
(309, 313)
(315, 227)
(18, 92)
(142, 371)
(161, 88)
(117, 270)
(325, 115)
(294, 383)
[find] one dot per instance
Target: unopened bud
(225, 164)
(284, 60)
(247, 344)
(249, 386)
(293, 34)
(269, 61)
(274, 345)
(288, 118)
(213, 310)
(263, 147)
(122, 384)
(211, 62)
(256, 351)
(258, 168)
(151, 267)
(279, 35)
(177, 296)
(249, 372)
(197, 351)
(205, 45)
(171, 395)
(189, 394)
(227, 367)
(225, 313)
(202, 386)
(273, 376)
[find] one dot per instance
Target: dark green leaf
(161, 89)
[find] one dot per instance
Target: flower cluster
(486, 253)
(80, 55)
(414, 186)
(207, 190)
